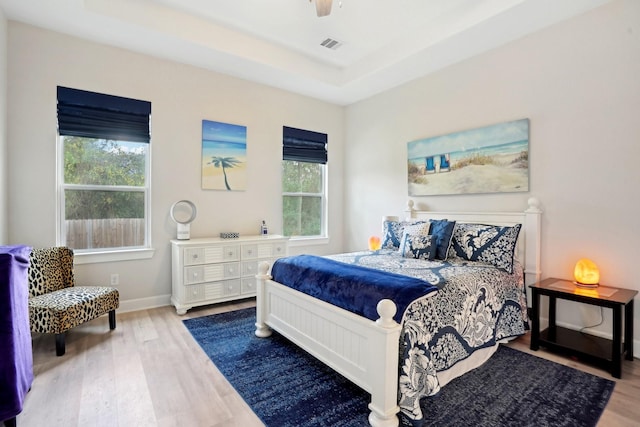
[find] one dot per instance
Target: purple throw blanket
(351, 287)
(16, 357)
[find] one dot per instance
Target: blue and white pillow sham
(393, 231)
(442, 230)
(418, 246)
(491, 244)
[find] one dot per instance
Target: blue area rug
(286, 387)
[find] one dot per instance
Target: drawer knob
(195, 256)
(230, 253)
(249, 251)
(278, 249)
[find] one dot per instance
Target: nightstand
(599, 350)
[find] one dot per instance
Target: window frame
(323, 236)
(94, 255)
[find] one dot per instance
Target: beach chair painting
(491, 159)
(444, 163)
(437, 164)
(430, 165)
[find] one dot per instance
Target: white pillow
(421, 229)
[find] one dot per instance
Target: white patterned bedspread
(476, 306)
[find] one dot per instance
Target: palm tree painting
(224, 156)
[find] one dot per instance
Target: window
(104, 149)
(304, 158)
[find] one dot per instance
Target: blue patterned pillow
(442, 230)
(418, 246)
(415, 229)
(392, 232)
(491, 244)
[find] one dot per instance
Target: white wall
(579, 84)
(3, 130)
(181, 97)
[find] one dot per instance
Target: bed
(382, 350)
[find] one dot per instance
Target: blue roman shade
(304, 145)
(96, 115)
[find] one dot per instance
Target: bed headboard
(528, 247)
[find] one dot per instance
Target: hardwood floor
(150, 372)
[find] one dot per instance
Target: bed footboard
(364, 351)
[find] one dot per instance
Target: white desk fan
(179, 213)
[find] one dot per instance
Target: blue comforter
(351, 287)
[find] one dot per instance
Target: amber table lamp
(374, 243)
(586, 274)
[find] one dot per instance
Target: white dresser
(211, 270)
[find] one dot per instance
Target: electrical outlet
(115, 279)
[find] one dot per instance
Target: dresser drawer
(279, 250)
(213, 290)
(221, 289)
(250, 268)
(265, 250)
(249, 251)
(231, 287)
(249, 285)
(211, 254)
(231, 253)
(194, 275)
(193, 293)
(231, 270)
(211, 272)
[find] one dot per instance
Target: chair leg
(60, 344)
(11, 422)
(112, 319)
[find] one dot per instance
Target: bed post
(532, 268)
(262, 330)
(384, 387)
(410, 211)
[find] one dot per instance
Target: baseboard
(144, 303)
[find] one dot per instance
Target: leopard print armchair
(56, 304)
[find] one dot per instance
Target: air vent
(330, 43)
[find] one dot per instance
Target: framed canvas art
(224, 156)
(491, 159)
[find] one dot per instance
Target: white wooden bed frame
(364, 351)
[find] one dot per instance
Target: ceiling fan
(323, 7)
